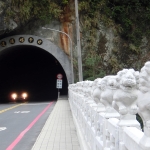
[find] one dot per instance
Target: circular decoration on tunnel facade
(12, 41)
(21, 39)
(39, 42)
(30, 39)
(3, 43)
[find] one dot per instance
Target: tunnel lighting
(14, 95)
(24, 95)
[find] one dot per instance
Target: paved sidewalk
(59, 131)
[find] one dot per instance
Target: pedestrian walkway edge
(83, 144)
(59, 131)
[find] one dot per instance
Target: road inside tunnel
(30, 69)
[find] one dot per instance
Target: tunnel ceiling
(31, 69)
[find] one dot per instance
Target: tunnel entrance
(27, 68)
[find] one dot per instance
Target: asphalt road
(20, 124)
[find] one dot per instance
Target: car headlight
(14, 95)
(24, 95)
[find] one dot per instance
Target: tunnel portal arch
(20, 40)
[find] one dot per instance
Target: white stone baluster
(112, 126)
(109, 86)
(125, 98)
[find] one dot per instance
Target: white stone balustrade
(105, 110)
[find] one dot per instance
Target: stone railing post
(106, 110)
(125, 98)
(125, 102)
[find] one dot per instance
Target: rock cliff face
(107, 55)
(10, 26)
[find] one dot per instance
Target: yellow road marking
(4, 110)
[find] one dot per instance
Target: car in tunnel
(19, 96)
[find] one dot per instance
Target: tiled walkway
(59, 132)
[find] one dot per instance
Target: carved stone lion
(109, 85)
(88, 88)
(107, 93)
(96, 94)
(96, 90)
(126, 96)
(144, 104)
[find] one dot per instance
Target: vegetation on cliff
(128, 20)
(25, 10)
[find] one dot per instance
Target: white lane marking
(2, 128)
(17, 112)
(23, 112)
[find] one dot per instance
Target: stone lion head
(144, 78)
(128, 78)
(109, 82)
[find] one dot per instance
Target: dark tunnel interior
(32, 70)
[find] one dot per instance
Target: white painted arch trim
(47, 46)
